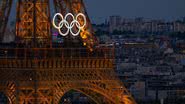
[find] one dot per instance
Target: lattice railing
(47, 53)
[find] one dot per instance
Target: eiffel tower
(35, 72)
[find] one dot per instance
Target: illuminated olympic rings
(68, 25)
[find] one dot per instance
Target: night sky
(99, 10)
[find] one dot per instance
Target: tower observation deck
(34, 71)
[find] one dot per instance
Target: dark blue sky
(98, 10)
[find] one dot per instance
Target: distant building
(184, 19)
(143, 26)
(179, 27)
(115, 23)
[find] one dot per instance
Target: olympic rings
(68, 25)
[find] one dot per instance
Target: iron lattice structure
(33, 23)
(36, 73)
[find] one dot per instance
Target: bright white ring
(77, 25)
(64, 22)
(85, 21)
(60, 15)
